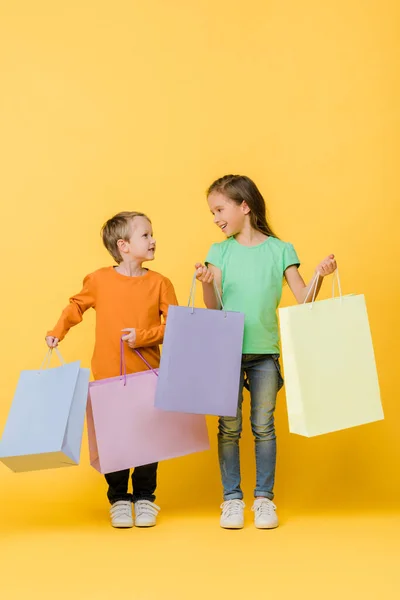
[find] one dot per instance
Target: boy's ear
(122, 245)
(245, 207)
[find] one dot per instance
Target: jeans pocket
(275, 358)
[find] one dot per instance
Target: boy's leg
(118, 486)
(120, 500)
(144, 482)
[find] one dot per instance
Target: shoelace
(232, 507)
(145, 507)
(122, 509)
(263, 506)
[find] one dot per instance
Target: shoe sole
(122, 526)
(267, 526)
(232, 526)
(145, 525)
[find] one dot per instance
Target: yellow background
(139, 106)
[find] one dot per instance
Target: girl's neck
(131, 269)
(249, 236)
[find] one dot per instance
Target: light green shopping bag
(329, 364)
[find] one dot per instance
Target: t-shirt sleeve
(214, 256)
(290, 257)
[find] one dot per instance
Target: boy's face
(141, 244)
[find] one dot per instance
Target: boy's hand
(327, 266)
(203, 274)
(129, 338)
(51, 341)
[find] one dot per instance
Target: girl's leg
(265, 381)
(229, 431)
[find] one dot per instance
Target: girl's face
(228, 216)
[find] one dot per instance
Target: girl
(248, 268)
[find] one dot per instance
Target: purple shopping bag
(201, 360)
(126, 430)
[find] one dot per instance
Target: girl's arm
(207, 276)
(299, 288)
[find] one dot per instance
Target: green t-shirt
(252, 279)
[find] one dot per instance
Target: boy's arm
(73, 313)
(155, 335)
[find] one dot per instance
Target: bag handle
(123, 362)
(46, 362)
(314, 286)
(192, 294)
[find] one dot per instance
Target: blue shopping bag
(45, 423)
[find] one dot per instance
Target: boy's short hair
(117, 228)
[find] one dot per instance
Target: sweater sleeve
(155, 335)
(73, 313)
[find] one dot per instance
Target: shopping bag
(329, 365)
(126, 430)
(45, 423)
(201, 360)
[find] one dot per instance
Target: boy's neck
(131, 268)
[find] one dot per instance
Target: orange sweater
(120, 302)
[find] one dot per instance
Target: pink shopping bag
(126, 430)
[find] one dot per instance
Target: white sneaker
(146, 513)
(232, 516)
(121, 514)
(265, 516)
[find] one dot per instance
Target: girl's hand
(129, 338)
(327, 266)
(203, 274)
(51, 341)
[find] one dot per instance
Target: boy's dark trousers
(144, 483)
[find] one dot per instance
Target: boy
(129, 301)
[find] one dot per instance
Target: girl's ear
(245, 207)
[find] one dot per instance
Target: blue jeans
(262, 374)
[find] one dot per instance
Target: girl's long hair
(240, 188)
